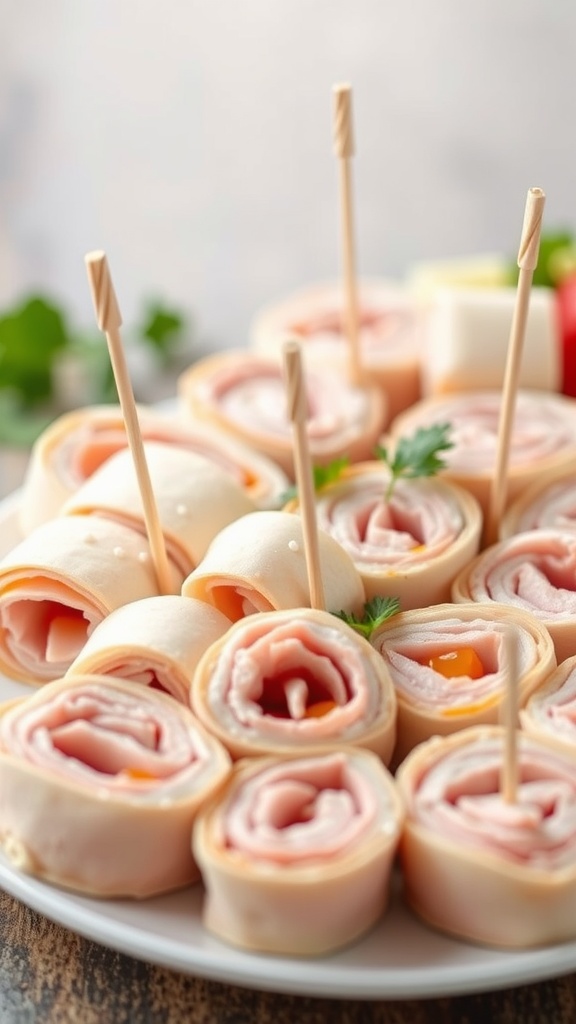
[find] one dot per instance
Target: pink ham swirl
(535, 571)
(458, 796)
(284, 680)
(551, 711)
(111, 777)
(296, 853)
(548, 506)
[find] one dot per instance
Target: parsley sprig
(376, 612)
(417, 455)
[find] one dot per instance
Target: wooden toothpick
(109, 321)
(344, 150)
(509, 784)
(527, 262)
(298, 414)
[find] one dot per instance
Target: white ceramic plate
(399, 959)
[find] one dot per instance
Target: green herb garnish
(323, 475)
(376, 612)
(417, 455)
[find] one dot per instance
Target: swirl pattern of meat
(283, 681)
(551, 710)
(296, 854)
(410, 547)
(100, 782)
(246, 395)
(545, 505)
(497, 872)
(449, 669)
(535, 571)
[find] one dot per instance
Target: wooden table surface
(49, 975)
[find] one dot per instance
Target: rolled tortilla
(296, 854)
(245, 394)
(448, 666)
(76, 444)
(474, 865)
(194, 497)
(551, 711)
(156, 642)
(543, 438)
(100, 782)
(546, 504)
(59, 583)
(410, 547)
(390, 334)
(284, 681)
(258, 564)
(534, 571)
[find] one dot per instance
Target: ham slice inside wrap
(258, 563)
(551, 711)
(281, 681)
(390, 334)
(432, 703)
(493, 872)
(545, 505)
(543, 437)
(59, 583)
(76, 444)
(246, 395)
(296, 853)
(194, 498)
(100, 782)
(156, 642)
(410, 547)
(535, 571)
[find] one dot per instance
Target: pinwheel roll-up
(156, 642)
(282, 681)
(296, 854)
(76, 444)
(410, 547)
(59, 583)
(448, 666)
(246, 395)
(258, 564)
(491, 871)
(543, 437)
(194, 497)
(547, 504)
(535, 571)
(551, 710)
(100, 782)
(390, 333)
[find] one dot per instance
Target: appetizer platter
(262, 678)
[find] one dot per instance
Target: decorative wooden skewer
(509, 782)
(109, 321)
(297, 412)
(527, 262)
(344, 149)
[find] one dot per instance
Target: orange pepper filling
(321, 708)
(461, 662)
(139, 774)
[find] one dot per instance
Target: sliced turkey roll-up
(551, 710)
(390, 333)
(543, 437)
(100, 782)
(281, 681)
(195, 498)
(258, 564)
(59, 583)
(76, 444)
(246, 395)
(448, 666)
(410, 547)
(156, 642)
(546, 504)
(494, 872)
(535, 571)
(296, 854)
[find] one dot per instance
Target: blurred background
(191, 140)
